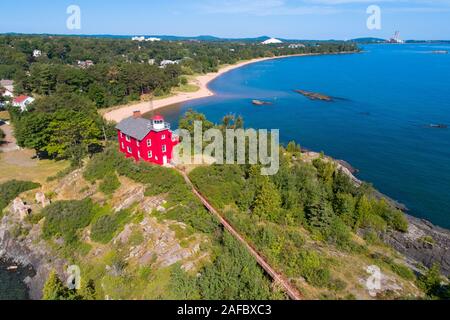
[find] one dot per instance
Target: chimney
(137, 114)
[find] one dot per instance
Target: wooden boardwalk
(277, 277)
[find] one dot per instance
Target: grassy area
(188, 88)
(20, 165)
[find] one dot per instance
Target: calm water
(12, 286)
(389, 97)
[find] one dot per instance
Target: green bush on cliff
(65, 218)
(106, 227)
(109, 184)
(11, 189)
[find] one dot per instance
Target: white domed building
(272, 41)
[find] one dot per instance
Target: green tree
(319, 215)
(432, 283)
(293, 148)
(267, 201)
(54, 289)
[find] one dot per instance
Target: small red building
(148, 140)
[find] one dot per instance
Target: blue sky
(297, 19)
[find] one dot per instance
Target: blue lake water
(381, 125)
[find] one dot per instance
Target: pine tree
(319, 215)
(267, 202)
(54, 288)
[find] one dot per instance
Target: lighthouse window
(137, 143)
(150, 154)
(149, 142)
(163, 137)
(128, 138)
(121, 135)
(129, 149)
(164, 148)
(123, 146)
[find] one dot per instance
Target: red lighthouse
(148, 140)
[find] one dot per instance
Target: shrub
(312, 269)
(65, 218)
(11, 189)
(403, 271)
(339, 234)
(110, 184)
(106, 227)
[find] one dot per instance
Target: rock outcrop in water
(315, 96)
(261, 103)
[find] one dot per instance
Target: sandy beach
(121, 112)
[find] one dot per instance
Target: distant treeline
(123, 69)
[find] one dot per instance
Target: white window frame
(163, 137)
(149, 143)
(123, 145)
(121, 134)
(138, 143)
(164, 148)
(128, 138)
(150, 154)
(129, 150)
(139, 154)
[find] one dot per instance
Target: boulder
(20, 208)
(42, 199)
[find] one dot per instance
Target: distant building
(148, 140)
(37, 53)
(85, 64)
(272, 41)
(296, 46)
(6, 93)
(140, 39)
(152, 39)
(22, 102)
(165, 63)
(7, 84)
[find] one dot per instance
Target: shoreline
(202, 81)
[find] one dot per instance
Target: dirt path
(9, 141)
(277, 277)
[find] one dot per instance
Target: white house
(152, 39)
(6, 93)
(85, 64)
(296, 46)
(7, 84)
(165, 63)
(272, 41)
(140, 39)
(22, 102)
(37, 53)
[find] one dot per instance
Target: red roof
(20, 99)
(157, 118)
